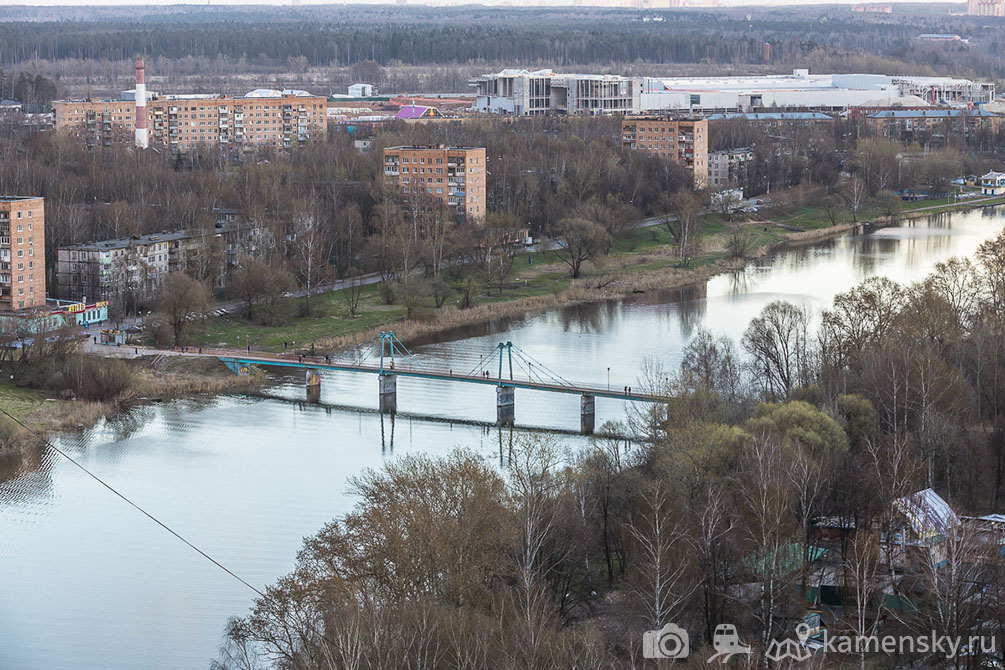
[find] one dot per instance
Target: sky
(653, 4)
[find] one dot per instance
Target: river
(88, 582)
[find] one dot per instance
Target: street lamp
(608, 377)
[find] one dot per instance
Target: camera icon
(671, 641)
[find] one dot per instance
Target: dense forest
(293, 39)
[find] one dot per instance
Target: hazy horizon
(515, 4)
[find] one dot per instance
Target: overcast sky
(517, 3)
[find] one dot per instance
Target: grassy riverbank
(45, 413)
(642, 260)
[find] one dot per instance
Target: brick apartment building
(455, 176)
(926, 124)
(262, 118)
(22, 253)
(129, 271)
(684, 141)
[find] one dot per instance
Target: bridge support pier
(587, 414)
(505, 406)
(388, 385)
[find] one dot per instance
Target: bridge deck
(598, 392)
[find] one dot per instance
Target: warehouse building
(524, 93)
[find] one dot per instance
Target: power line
(281, 608)
(142, 511)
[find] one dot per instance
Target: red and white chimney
(141, 106)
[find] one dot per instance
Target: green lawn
(19, 401)
(329, 318)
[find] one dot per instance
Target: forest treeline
(704, 516)
(831, 38)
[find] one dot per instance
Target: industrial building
(22, 253)
(684, 141)
(523, 93)
(129, 271)
(178, 123)
(453, 176)
(526, 93)
(803, 90)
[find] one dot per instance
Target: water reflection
(87, 582)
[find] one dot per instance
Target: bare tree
(857, 192)
(182, 298)
(580, 241)
(681, 214)
(778, 343)
(660, 579)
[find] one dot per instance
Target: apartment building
(179, 123)
(684, 141)
(129, 271)
(928, 125)
(97, 122)
(453, 176)
(22, 253)
(986, 7)
(728, 166)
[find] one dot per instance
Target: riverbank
(639, 271)
(151, 379)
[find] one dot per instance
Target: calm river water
(88, 582)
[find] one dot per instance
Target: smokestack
(767, 52)
(141, 106)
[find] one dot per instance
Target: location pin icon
(803, 633)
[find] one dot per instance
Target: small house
(926, 522)
(993, 183)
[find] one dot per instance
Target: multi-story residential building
(525, 93)
(129, 271)
(727, 167)
(779, 121)
(930, 125)
(97, 122)
(453, 176)
(986, 7)
(263, 117)
(22, 253)
(684, 141)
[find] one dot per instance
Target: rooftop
(772, 116)
(142, 240)
(16, 198)
(931, 113)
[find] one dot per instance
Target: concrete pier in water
(388, 385)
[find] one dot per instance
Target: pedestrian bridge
(396, 361)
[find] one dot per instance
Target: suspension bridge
(506, 366)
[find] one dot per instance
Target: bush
(90, 378)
